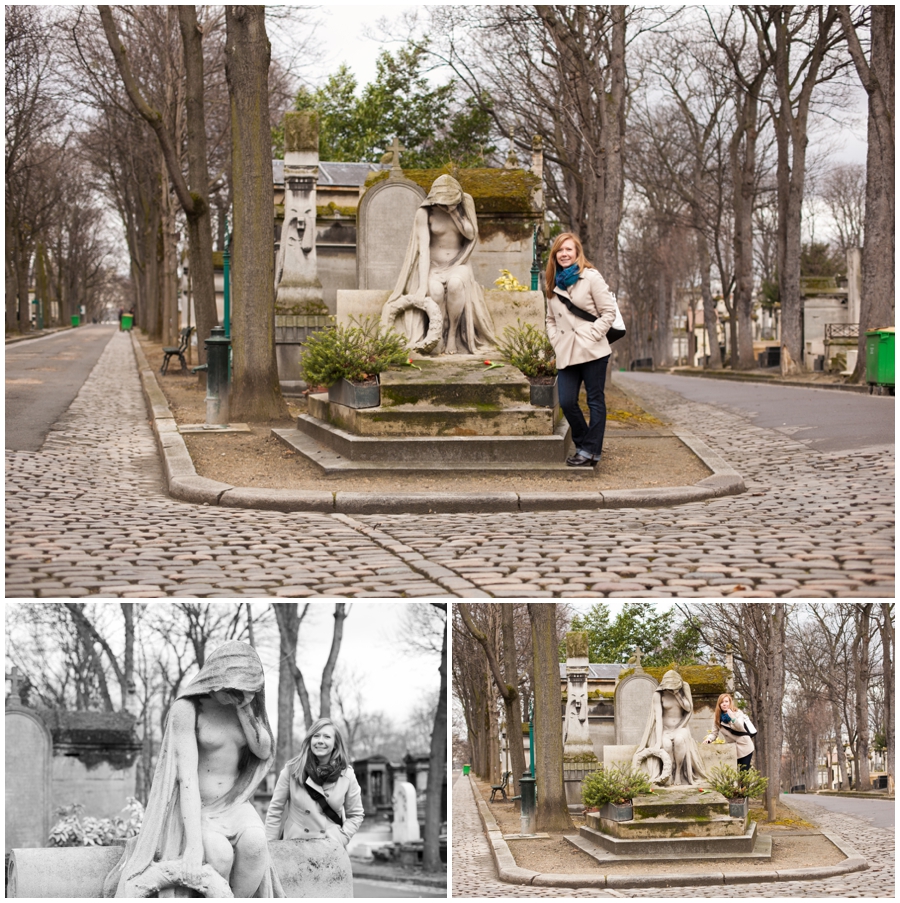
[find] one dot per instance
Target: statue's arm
(658, 720)
(458, 215)
(182, 723)
(258, 738)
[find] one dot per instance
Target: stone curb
(509, 873)
(769, 380)
(186, 485)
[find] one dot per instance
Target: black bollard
(527, 789)
(217, 385)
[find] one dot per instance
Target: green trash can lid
(880, 330)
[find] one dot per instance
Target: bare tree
(194, 199)
(437, 762)
(843, 192)
(256, 393)
(877, 77)
(888, 659)
(862, 614)
(552, 809)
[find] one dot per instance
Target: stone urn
(352, 395)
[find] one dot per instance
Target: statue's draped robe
(233, 666)
(476, 328)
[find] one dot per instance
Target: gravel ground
(797, 844)
(260, 460)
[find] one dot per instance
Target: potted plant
(529, 350)
(611, 791)
(737, 786)
(348, 360)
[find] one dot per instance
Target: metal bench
(501, 787)
(169, 353)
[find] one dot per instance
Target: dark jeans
(744, 762)
(588, 439)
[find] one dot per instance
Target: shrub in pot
(615, 786)
(529, 350)
(357, 353)
(735, 784)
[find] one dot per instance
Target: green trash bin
(466, 769)
(127, 320)
(880, 357)
(76, 320)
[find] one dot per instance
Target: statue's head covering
(232, 666)
(671, 681)
(444, 190)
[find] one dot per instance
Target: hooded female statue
(442, 305)
(667, 750)
(200, 829)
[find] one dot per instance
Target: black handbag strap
(327, 811)
(731, 730)
(577, 310)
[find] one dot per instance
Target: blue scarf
(566, 278)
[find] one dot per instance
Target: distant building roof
(596, 671)
(343, 174)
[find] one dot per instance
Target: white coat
(294, 814)
(743, 743)
(575, 340)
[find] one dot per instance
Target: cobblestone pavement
(87, 515)
(474, 874)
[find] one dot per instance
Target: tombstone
(297, 284)
(633, 696)
(29, 754)
(384, 220)
(406, 824)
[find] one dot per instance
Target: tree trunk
(843, 773)
(552, 811)
(340, 615)
(513, 704)
(256, 393)
(877, 77)
(199, 226)
(861, 663)
(437, 768)
(286, 618)
(710, 319)
(887, 666)
(168, 307)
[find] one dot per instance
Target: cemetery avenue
(87, 516)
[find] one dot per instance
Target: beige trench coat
(575, 340)
(743, 743)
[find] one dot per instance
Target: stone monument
(405, 827)
(29, 750)
(297, 284)
(632, 702)
(576, 739)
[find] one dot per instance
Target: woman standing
(734, 727)
(580, 311)
(317, 796)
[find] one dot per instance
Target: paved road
(87, 516)
(827, 420)
(43, 376)
(474, 873)
(363, 887)
(879, 813)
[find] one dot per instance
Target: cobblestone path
(87, 515)
(474, 874)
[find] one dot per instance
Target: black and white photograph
(223, 750)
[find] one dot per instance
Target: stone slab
(439, 452)
(460, 379)
(277, 499)
(214, 428)
(683, 847)
(424, 502)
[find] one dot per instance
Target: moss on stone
(577, 644)
(331, 209)
(706, 680)
(493, 190)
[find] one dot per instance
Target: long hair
(581, 261)
(305, 763)
(719, 707)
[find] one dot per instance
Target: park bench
(169, 353)
(501, 787)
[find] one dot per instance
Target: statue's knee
(455, 285)
(219, 853)
(252, 846)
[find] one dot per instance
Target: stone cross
(14, 683)
(395, 150)
(637, 658)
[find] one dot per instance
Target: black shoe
(580, 461)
